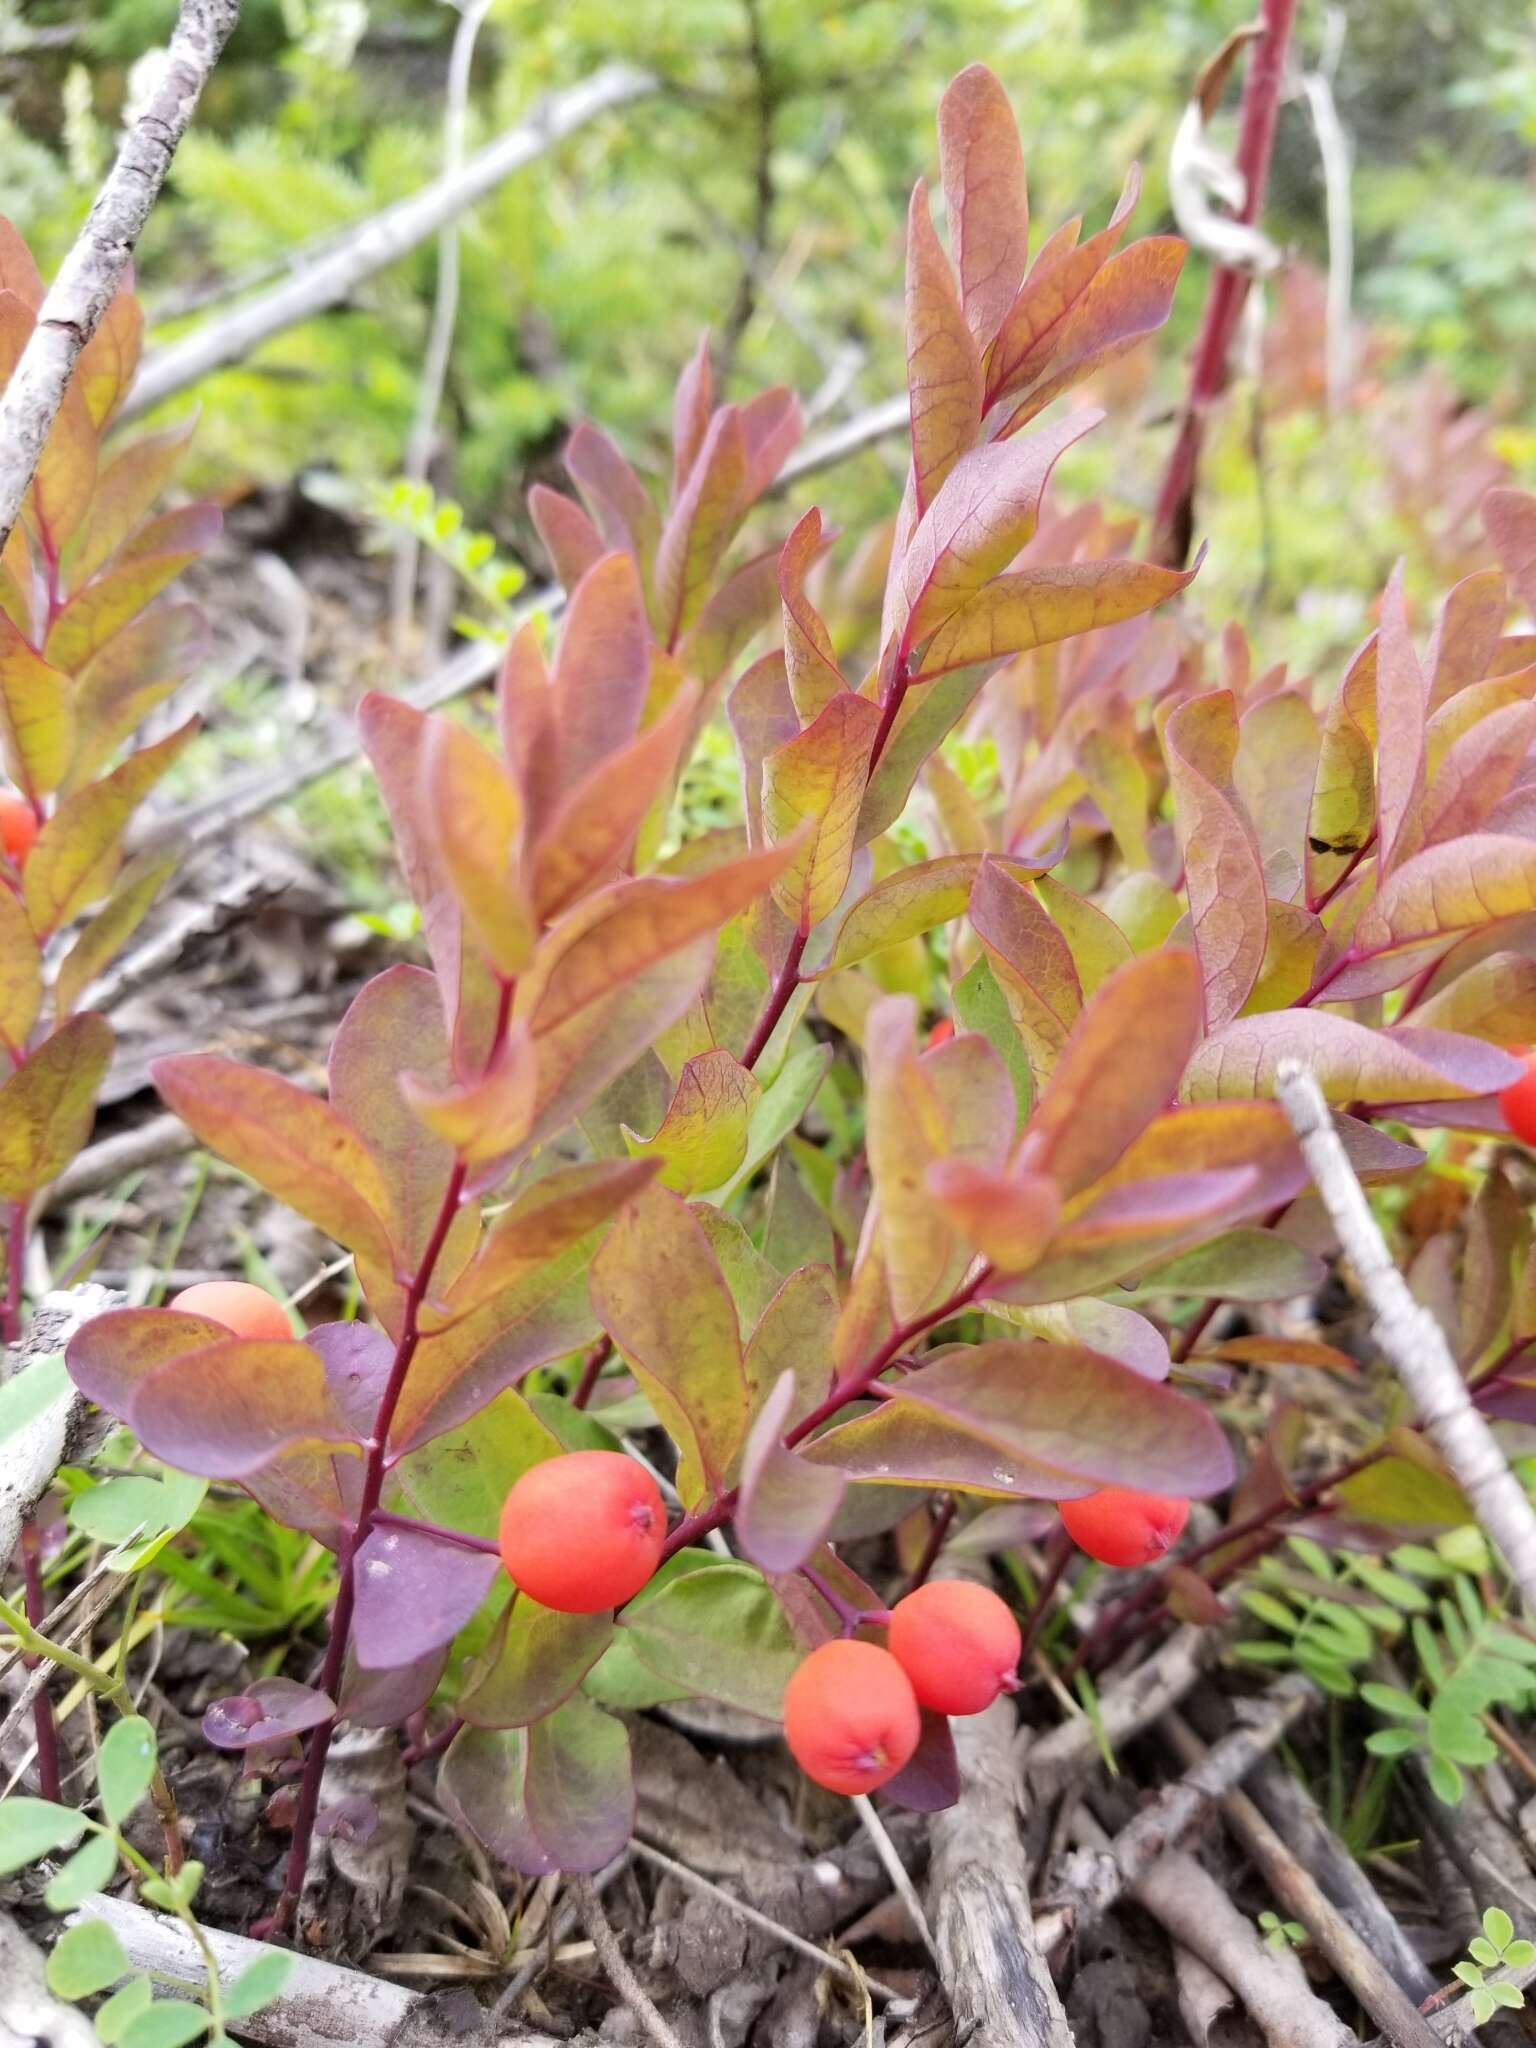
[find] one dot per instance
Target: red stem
(376, 1459)
(889, 707)
(785, 984)
(1055, 1564)
(853, 1388)
(461, 1537)
(935, 1543)
(45, 1728)
(592, 1371)
(1173, 524)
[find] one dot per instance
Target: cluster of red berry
(585, 1532)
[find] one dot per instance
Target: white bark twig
(93, 269)
(380, 240)
(1411, 1340)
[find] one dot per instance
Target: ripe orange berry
(244, 1310)
(583, 1532)
(1118, 1526)
(942, 1032)
(1518, 1100)
(850, 1716)
(959, 1644)
(18, 827)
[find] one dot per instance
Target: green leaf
(1388, 1699)
(111, 2018)
(257, 1984)
(48, 1104)
(721, 1633)
(556, 1796)
(125, 1766)
(1483, 1951)
(1510, 1996)
(85, 1959)
(25, 1396)
(168, 2023)
(30, 1828)
(1392, 1741)
(1518, 1953)
(981, 1006)
(1445, 1781)
(1499, 1928)
(1469, 1973)
(88, 1870)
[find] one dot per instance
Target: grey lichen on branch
(94, 267)
(1410, 1339)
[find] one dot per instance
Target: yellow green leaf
(702, 1139)
(74, 858)
(47, 1104)
(812, 789)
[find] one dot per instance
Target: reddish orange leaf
(1224, 875)
(985, 196)
(943, 362)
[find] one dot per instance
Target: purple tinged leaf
(1352, 1062)
(554, 1797)
(944, 379)
(272, 1710)
(357, 1360)
(570, 539)
(384, 1699)
(602, 667)
(929, 1781)
(1045, 1421)
(786, 1506)
(1223, 870)
(413, 1594)
(1466, 635)
(533, 1662)
(1402, 702)
(1509, 520)
(986, 198)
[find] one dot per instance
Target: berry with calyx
(18, 827)
(1518, 1100)
(583, 1532)
(850, 1716)
(244, 1310)
(1119, 1526)
(958, 1644)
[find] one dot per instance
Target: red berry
(583, 1532)
(942, 1032)
(1118, 1526)
(959, 1644)
(244, 1310)
(850, 1716)
(1518, 1100)
(18, 827)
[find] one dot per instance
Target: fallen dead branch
(1410, 1339)
(1091, 1884)
(36, 1451)
(991, 1964)
(616, 1964)
(93, 269)
(322, 2005)
(1298, 1892)
(1296, 1815)
(381, 240)
(1125, 1709)
(1187, 1901)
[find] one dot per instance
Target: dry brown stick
(1183, 1896)
(1300, 1894)
(616, 1965)
(1295, 1813)
(1410, 1339)
(1092, 1884)
(1125, 1708)
(991, 1965)
(94, 267)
